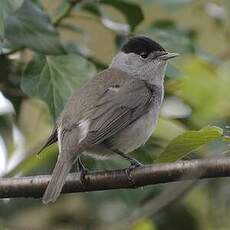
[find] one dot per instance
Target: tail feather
(60, 172)
(52, 139)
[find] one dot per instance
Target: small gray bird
(114, 113)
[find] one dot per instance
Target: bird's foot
(133, 164)
(83, 171)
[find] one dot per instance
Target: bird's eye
(144, 55)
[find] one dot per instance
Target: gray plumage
(115, 111)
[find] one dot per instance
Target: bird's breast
(135, 134)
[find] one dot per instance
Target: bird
(114, 113)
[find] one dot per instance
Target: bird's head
(143, 58)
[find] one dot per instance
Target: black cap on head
(140, 45)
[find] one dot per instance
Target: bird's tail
(60, 172)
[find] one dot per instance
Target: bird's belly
(136, 134)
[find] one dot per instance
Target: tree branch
(34, 186)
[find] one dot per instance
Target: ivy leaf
(171, 36)
(30, 27)
(53, 78)
(131, 11)
(92, 8)
(128, 9)
(6, 8)
(187, 142)
(171, 3)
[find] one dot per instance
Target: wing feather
(117, 110)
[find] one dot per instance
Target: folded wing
(117, 109)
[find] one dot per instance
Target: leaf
(173, 72)
(227, 138)
(32, 162)
(92, 8)
(187, 142)
(6, 130)
(144, 224)
(6, 8)
(171, 3)
(195, 91)
(6, 47)
(131, 11)
(85, 53)
(168, 128)
(53, 78)
(171, 36)
(30, 27)
(72, 28)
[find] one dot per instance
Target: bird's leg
(133, 164)
(82, 169)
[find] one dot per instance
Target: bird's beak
(168, 55)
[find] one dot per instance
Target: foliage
(44, 58)
(188, 142)
(55, 78)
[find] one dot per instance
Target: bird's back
(80, 104)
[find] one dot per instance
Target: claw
(83, 171)
(134, 164)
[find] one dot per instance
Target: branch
(34, 186)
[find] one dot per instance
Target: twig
(34, 186)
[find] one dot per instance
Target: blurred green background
(48, 48)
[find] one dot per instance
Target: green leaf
(53, 78)
(6, 8)
(173, 72)
(6, 47)
(144, 224)
(167, 129)
(171, 3)
(33, 162)
(72, 28)
(227, 138)
(187, 142)
(205, 88)
(92, 8)
(171, 36)
(131, 11)
(6, 130)
(30, 27)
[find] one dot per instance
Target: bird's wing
(78, 107)
(51, 139)
(117, 109)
